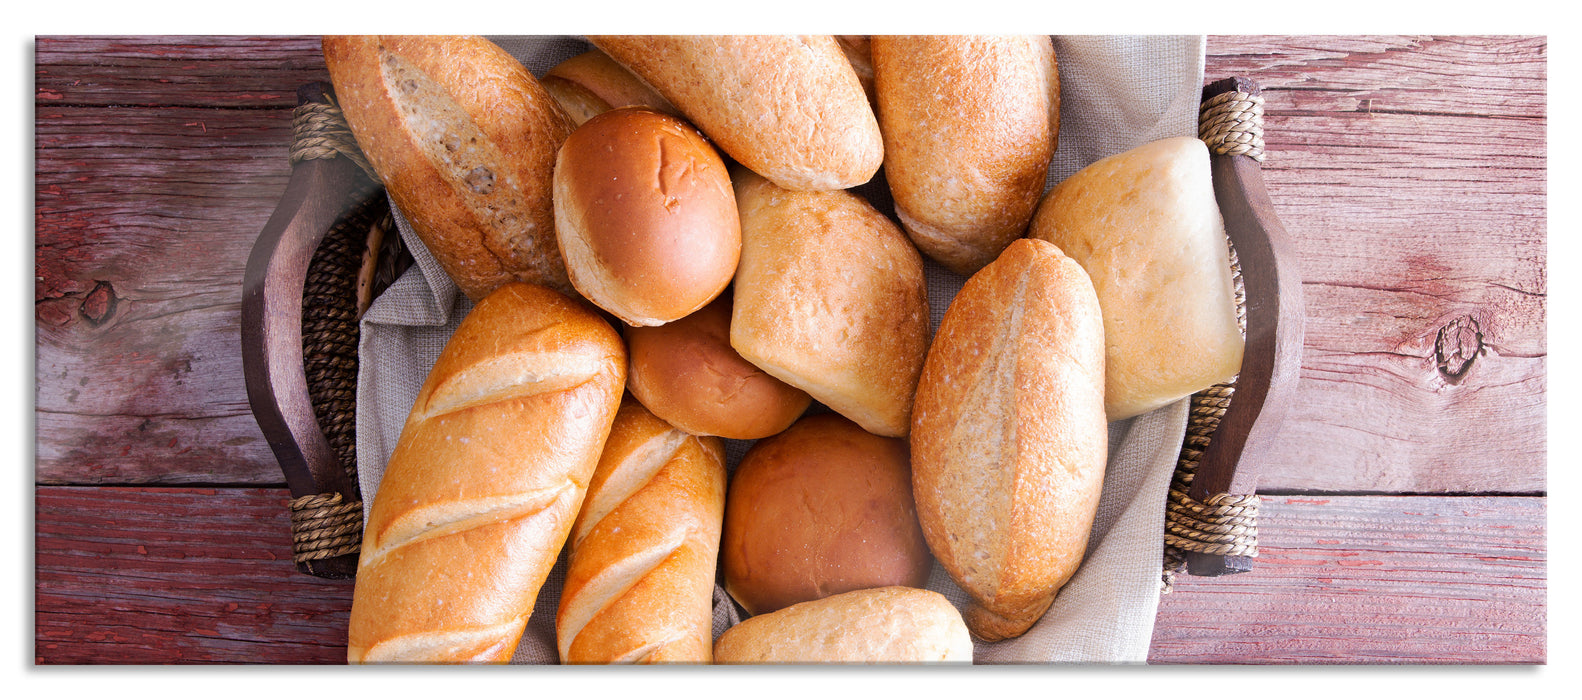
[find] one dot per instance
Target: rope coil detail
(325, 525)
(1231, 124)
(319, 131)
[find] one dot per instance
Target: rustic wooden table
(1404, 514)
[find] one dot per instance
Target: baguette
(830, 298)
(485, 481)
(1008, 435)
(1147, 228)
(890, 625)
(464, 139)
(790, 108)
(969, 125)
(640, 579)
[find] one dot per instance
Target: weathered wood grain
(1373, 580)
(143, 222)
(129, 575)
(1410, 173)
(141, 575)
(188, 71)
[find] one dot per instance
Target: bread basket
(324, 253)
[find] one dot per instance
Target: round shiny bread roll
(645, 215)
(822, 508)
(687, 373)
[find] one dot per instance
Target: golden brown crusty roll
(789, 107)
(969, 125)
(1008, 435)
(645, 216)
(640, 578)
(859, 51)
(464, 139)
(1146, 227)
(687, 373)
(822, 508)
(831, 299)
(485, 480)
(890, 625)
(592, 83)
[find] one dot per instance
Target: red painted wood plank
(159, 71)
(1373, 580)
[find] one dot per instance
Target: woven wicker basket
(325, 253)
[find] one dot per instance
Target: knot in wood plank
(1456, 346)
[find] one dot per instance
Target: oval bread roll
(1146, 227)
(687, 373)
(831, 299)
(640, 579)
(464, 139)
(822, 508)
(591, 83)
(1008, 435)
(646, 216)
(970, 125)
(485, 481)
(891, 625)
(789, 107)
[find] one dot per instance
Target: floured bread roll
(888, 625)
(1146, 227)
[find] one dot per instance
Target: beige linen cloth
(1116, 93)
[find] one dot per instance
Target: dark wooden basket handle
(272, 354)
(1265, 388)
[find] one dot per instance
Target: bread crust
(485, 481)
(890, 625)
(822, 508)
(687, 373)
(970, 124)
(830, 298)
(640, 575)
(791, 108)
(464, 139)
(1147, 228)
(1009, 439)
(592, 83)
(645, 215)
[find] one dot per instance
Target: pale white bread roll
(822, 508)
(789, 107)
(640, 577)
(830, 298)
(970, 125)
(891, 625)
(687, 373)
(464, 139)
(1146, 227)
(592, 83)
(1009, 438)
(485, 480)
(645, 215)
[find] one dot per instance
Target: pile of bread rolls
(664, 250)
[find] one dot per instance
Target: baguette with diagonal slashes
(640, 579)
(485, 481)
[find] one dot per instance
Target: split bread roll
(687, 373)
(789, 107)
(640, 579)
(970, 125)
(464, 139)
(1009, 439)
(830, 298)
(891, 625)
(591, 83)
(646, 216)
(1146, 227)
(485, 481)
(822, 508)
